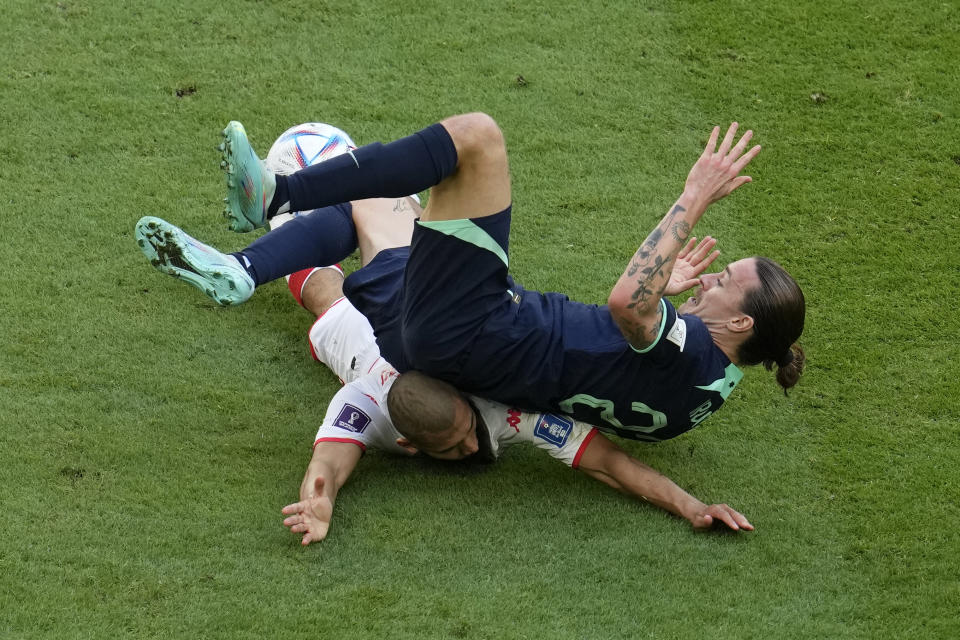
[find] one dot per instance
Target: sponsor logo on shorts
(554, 429)
(352, 419)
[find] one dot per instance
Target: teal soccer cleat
(250, 186)
(173, 252)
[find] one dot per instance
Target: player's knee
(475, 135)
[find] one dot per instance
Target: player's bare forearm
(608, 463)
(635, 299)
(331, 465)
(332, 461)
(613, 466)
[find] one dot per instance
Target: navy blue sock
(316, 239)
(399, 168)
(280, 196)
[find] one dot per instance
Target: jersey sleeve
(356, 417)
(561, 436)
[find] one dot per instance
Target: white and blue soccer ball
(306, 144)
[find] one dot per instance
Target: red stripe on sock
(296, 283)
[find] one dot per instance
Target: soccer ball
(306, 144)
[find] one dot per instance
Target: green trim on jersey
(724, 386)
(663, 323)
(467, 231)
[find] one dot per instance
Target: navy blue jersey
(448, 308)
(559, 355)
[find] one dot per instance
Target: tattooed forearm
(635, 299)
(680, 231)
(645, 250)
(645, 290)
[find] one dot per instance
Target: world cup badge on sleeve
(352, 419)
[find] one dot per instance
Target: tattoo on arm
(655, 327)
(651, 266)
(645, 251)
(648, 270)
(680, 231)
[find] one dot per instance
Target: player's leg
(340, 338)
(456, 274)
(321, 237)
(384, 223)
(316, 289)
(481, 184)
(409, 165)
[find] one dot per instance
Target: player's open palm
(311, 517)
(692, 260)
(717, 171)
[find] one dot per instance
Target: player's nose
(471, 445)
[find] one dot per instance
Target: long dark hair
(778, 309)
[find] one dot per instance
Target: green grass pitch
(148, 438)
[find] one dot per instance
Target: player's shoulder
(378, 379)
(358, 412)
(681, 335)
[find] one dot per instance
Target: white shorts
(342, 339)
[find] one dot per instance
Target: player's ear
(741, 323)
(406, 444)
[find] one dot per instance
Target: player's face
(460, 440)
(720, 295)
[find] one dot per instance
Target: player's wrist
(694, 201)
(692, 509)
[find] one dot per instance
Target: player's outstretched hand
(714, 512)
(311, 517)
(717, 171)
(692, 260)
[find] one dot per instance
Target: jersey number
(658, 419)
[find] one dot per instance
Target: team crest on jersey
(554, 429)
(352, 419)
(678, 334)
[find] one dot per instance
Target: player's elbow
(629, 319)
(620, 306)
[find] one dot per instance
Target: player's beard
(484, 454)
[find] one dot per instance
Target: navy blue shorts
(428, 304)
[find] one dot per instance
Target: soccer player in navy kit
(359, 416)
(376, 403)
(448, 307)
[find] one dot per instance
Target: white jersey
(342, 339)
